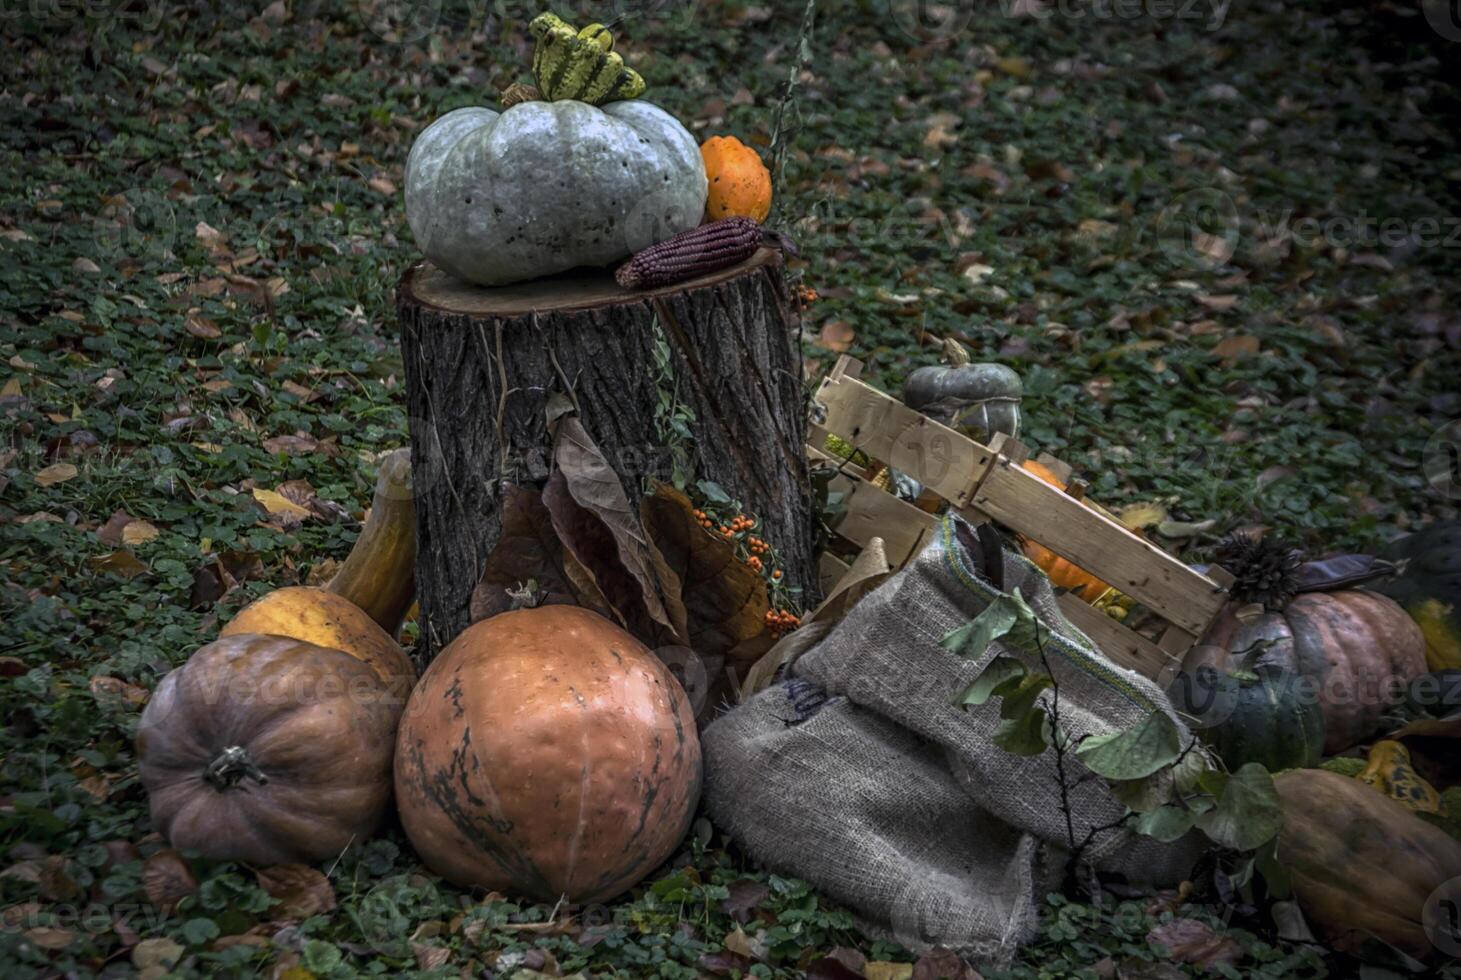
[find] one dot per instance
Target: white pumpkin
(498, 197)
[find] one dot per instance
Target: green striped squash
(1259, 715)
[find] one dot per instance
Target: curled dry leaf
(527, 550)
(167, 879)
(301, 891)
(584, 478)
(717, 601)
(1191, 941)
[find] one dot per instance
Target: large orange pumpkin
(267, 750)
(1062, 573)
(547, 753)
(738, 182)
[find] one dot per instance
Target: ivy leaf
(1165, 823)
(1248, 812)
(973, 638)
(1028, 734)
(1135, 753)
(992, 680)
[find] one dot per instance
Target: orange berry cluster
(703, 519)
(780, 622)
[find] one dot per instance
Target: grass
(202, 227)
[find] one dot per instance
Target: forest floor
(1218, 242)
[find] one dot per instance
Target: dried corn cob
(693, 253)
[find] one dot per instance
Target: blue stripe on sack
(1077, 657)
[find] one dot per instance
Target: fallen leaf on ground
(56, 473)
(1191, 941)
(301, 891)
(1235, 348)
(139, 532)
(280, 506)
(121, 562)
(167, 879)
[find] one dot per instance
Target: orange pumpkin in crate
(739, 183)
(547, 753)
(1062, 573)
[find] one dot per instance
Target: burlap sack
(895, 801)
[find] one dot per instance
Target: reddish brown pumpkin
(547, 753)
(1355, 650)
(267, 750)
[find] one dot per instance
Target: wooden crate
(983, 483)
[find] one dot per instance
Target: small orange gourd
(739, 183)
(1061, 572)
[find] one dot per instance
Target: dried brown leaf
(56, 473)
(121, 563)
(1191, 941)
(595, 488)
(723, 601)
(167, 879)
(527, 550)
(301, 891)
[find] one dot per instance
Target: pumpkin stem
(956, 353)
(232, 767)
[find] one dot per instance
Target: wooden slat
(1023, 502)
(1061, 469)
(816, 455)
(943, 460)
(831, 569)
(1121, 645)
(874, 513)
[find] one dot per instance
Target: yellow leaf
(1134, 517)
(56, 473)
(137, 532)
(12, 388)
(279, 505)
(880, 970)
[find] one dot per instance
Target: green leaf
(973, 638)
(992, 680)
(1162, 786)
(1019, 700)
(1029, 734)
(1248, 812)
(1133, 754)
(1275, 875)
(1165, 823)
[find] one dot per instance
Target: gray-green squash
(544, 187)
(983, 398)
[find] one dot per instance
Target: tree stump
(481, 365)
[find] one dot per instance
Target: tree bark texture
(482, 364)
